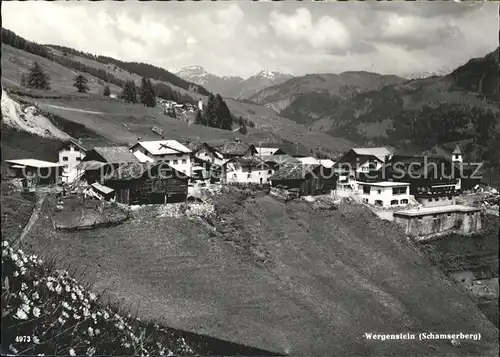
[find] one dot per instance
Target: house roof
(34, 163)
(136, 170)
(379, 152)
(101, 188)
(252, 161)
(90, 165)
(142, 158)
(163, 147)
(292, 171)
(309, 160)
(294, 149)
(233, 148)
(327, 163)
(279, 159)
(457, 150)
(115, 154)
(88, 144)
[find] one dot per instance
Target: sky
(241, 38)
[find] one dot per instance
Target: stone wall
(427, 226)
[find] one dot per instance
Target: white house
(309, 160)
(171, 152)
(200, 104)
(246, 170)
(206, 152)
(385, 193)
(70, 155)
(359, 161)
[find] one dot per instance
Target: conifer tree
(210, 114)
(106, 92)
(81, 83)
(243, 126)
(224, 118)
(147, 93)
(37, 78)
(129, 92)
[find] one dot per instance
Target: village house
(304, 180)
(434, 181)
(206, 161)
(275, 161)
(102, 161)
(292, 149)
(170, 152)
(35, 172)
(72, 152)
(205, 152)
(247, 170)
(385, 193)
(266, 151)
(144, 183)
(357, 164)
(232, 149)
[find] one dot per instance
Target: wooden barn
(104, 161)
(305, 180)
(144, 183)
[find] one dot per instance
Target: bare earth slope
(330, 276)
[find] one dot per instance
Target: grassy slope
(328, 280)
(139, 119)
(15, 62)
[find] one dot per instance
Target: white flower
(40, 261)
(36, 312)
(90, 351)
(5, 244)
(35, 296)
(20, 315)
(97, 331)
(76, 317)
(72, 352)
(66, 305)
(36, 283)
(90, 331)
(86, 312)
(73, 296)
(126, 345)
(22, 271)
(36, 340)
(16, 274)
(64, 314)
(106, 315)
(68, 288)
(58, 289)
(26, 308)
(24, 286)
(13, 349)
(14, 256)
(49, 285)
(61, 320)
(92, 296)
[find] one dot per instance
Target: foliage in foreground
(46, 312)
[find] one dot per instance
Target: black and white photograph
(250, 178)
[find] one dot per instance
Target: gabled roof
(379, 152)
(457, 150)
(90, 165)
(234, 148)
(163, 147)
(142, 158)
(115, 154)
(34, 163)
(253, 161)
(293, 171)
(88, 144)
(278, 159)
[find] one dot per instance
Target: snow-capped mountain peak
(192, 71)
(267, 74)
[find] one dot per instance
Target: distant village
(424, 201)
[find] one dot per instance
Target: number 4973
(23, 338)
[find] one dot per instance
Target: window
(184, 161)
(430, 199)
(394, 202)
(420, 218)
(65, 158)
(404, 201)
(167, 161)
(175, 162)
(450, 198)
(436, 199)
(249, 175)
(399, 190)
(269, 172)
(365, 200)
(379, 191)
(378, 203)
(366, 189)
(434, 216)
(449, 214)
(78, 159)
